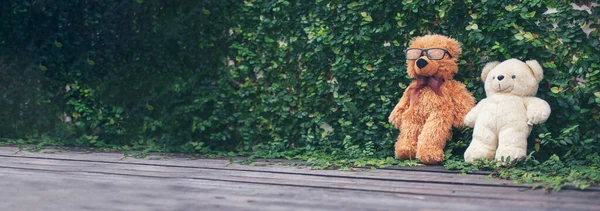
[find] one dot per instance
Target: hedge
(274, 76)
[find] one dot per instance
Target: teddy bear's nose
(500, 77)
(421, 63)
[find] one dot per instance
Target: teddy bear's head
(512, 76)
(432, 55)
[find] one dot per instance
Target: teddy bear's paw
(394, 120)
(469, 156)
(472, 154)
(404, 152)
(534, 118)
(430, 155)
(508, 155)
(469, 120)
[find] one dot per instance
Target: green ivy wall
(274, 76)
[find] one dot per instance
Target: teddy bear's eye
(513, 76)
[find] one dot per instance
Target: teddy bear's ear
(535, 66)
(487, 68)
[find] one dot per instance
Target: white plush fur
(502, 121)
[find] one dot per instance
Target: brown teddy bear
(433, 102)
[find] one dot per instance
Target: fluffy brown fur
(425, 123)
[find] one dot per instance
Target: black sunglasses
(432, 53)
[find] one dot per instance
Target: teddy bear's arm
(538, 110)
(395, 117)
(473, 114)
(463, 102)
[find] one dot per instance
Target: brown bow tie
(434, 83)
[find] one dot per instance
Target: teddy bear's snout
(421, 63)
(500, 77)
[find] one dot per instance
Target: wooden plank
(62, 151)
(292, 196)
(225, 164)
(379, 174)
(31, 190)
(384, 175)
(448, 194)
(570, 199)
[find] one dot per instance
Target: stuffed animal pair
(434, 102)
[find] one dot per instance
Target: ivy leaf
(366, 17)
(473, 26)
(519, 36)
(352, 5)
(556, 90)
(91, 62)
(42, 67)
(442, 13)
(510, 8)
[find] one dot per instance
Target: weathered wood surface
(107, 181)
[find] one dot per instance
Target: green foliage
(553, 173)
(276, 78)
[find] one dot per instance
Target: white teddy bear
(503, 121)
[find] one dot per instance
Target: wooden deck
(107, 181)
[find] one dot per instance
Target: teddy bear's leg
(432, 140)
(512, 143)
(405, 147)
(483, 145)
